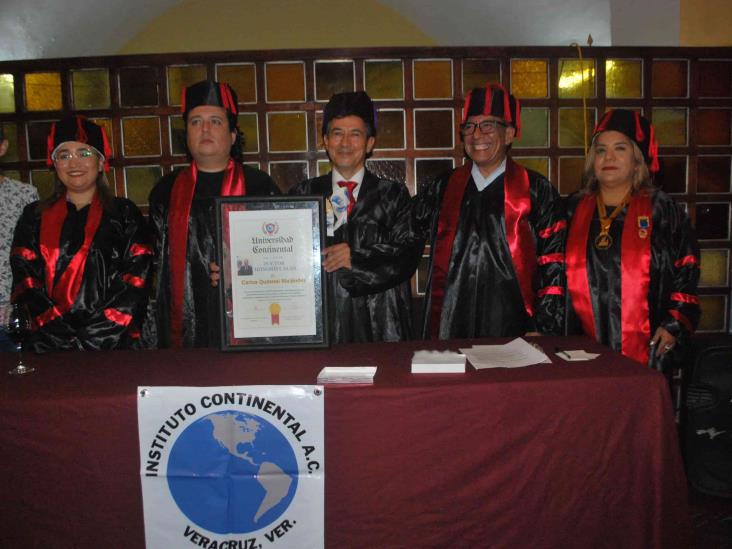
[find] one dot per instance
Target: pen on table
(560, 352)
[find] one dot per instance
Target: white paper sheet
(576, 355)
(514, 354)
(437, 362)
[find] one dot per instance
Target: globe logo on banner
(232, 473)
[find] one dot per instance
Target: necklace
(604, 240)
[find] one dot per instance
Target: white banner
(232, 467)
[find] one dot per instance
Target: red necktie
(350, 185)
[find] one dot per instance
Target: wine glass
(19, 328)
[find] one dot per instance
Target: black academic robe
(671, 300)
(372, 301)
(200, 300)
(110, 305)
(482, 296)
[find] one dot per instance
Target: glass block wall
(686, 92)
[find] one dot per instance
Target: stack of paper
(577, 355)
(437, 362)
(347, 374)
(514, 354)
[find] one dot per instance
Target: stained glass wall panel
(669, 78)
(670, 126)
(7, 93)
(288, 174)
(479, 72)
(138, 86)
(139, 181)
(539, 164)
(534, 128)
(432, 78)
(672, 175)
(392, 169)
(287, 131)
(712, 221)
(90, 89)
(241, 77)
(10, 130)
(713, 174)
(384, 79)
(38, 139)
(623, 78)
(572, 126)
(141, 136)
(715, 78)
(529, 78)
(181, 77)
(285, 82)
(333, 77)
(576, 78)
(248, 125)
(714, 268)
(43, 91)
(570, 174)
(713, 127)
(43, 180)
(714, 313)
(390, 129)
(433, 128)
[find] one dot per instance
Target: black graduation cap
(350, 104)
(210, 92)
(636, 127)
(493, 100)
(78, 128)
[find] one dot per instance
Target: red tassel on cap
(226, 98)
(107, 149)
(602, 124)
(81, 136)
(183, 100)
(466, 108)
(653, 153)
(488, 101)
(49, 145)
(639, 135)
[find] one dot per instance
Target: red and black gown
(372, 301)
(647, 278)
(496, 263)
(198, 304)
(82, 274)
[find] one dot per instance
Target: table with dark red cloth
(569, 454)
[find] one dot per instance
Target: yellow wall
(203, 25)
(706, 23)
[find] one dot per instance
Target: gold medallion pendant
(603, 241)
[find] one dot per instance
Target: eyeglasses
(65, 156)
(486, 127)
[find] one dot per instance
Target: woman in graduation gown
(80, 258)
(632, 258)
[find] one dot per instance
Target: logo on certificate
(270, 228)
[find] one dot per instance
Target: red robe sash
(635, 276)
(179, 211)
(66, 289)
(517, 207)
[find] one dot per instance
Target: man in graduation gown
(182, 214)
(371, 252)
(497, 234)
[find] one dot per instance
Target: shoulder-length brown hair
(641, 178)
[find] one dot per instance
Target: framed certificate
(272, 287)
